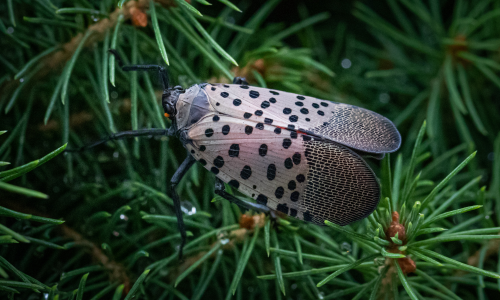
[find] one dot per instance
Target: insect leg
(161, 70)
(220, 190)
(127, 134)
(240, 80)
(181, 171)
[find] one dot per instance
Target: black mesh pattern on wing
(341, 187)
(360, 129)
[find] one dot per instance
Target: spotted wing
(308, 178)
(349, 125)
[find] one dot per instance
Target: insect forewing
(305, 177)
(349, 125)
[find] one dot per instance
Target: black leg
(161, 70)
(220, 190)
(126, 134)
(186, 164)
(240, 80)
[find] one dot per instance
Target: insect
(298, 155)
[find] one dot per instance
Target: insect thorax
(192, 106)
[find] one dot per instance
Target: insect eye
(169, 109)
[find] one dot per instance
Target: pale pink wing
(349, 125)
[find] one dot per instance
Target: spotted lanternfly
(295, 154)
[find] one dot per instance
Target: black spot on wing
(296, 158)
(246, 172)
(254, 94)
(234, 183)
(307, 216)
(300, 178)
(248, 130)
(282, 208)
(287, 143)
(261, 199)
(263, 150)
(279, 192)
(234, 150)
(219, 161)
(271, 171)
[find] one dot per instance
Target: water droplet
(384, 98)
(10, 30)
(116, 233)
(152, 210)
(293, 286)
(114, 95)
(321, 295)
(188, 208)
(345, 247)
(230, 20)
(21, 80)
(486, 217)
(346, 63)
(250, 289)
(224, 241)
(123, 217)
(116, 154)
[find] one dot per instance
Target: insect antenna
(161, 70)
(124, 135)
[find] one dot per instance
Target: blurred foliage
(409, 60)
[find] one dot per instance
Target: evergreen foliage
(99, 224)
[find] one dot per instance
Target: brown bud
(395, 227)
(138, 17)
(407, 265)
(247, 222)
